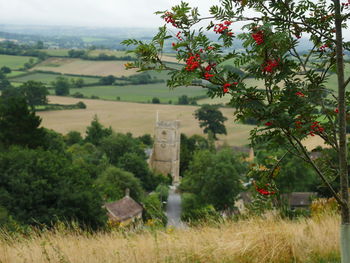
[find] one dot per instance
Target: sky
(100, 13)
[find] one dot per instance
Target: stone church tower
(165, 156)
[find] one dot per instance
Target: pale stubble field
(139, 119)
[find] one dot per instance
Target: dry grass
(85, 67)
(254, 240)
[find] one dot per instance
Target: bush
(154, 210)
(78, 95)
(155, 100)
(94, 97)
(163, 192)
(194, 211)
(183, 100)
(81, 105)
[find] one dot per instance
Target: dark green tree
(117, 145)
(5, 70)
(96, 132)
(136, 164)
(73, 137)
(183, 100)
(35, 93)
(42, 187)
(61, 86)
(19, 125)
(113, 182)
(108, 80)
(211, 118)
(214, 178)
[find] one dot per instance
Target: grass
(56, 52)
(117, 53)
(14, 62)
(85, 67)
(15, 73)
(248, 241)
(47, 78)
(140, 93)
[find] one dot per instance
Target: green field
(117, 53)
(140, 93)
(15, 73)
(14, 62)
(47, 78)
(57, 52)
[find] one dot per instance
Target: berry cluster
(299, 94)
(169, 18)
(258, 37)
(298, 124)
(263, 191)
(323, 48)
(207, 74)
(346, 4)
(193, 62)
(178, 35)
(270, 66)
(226, 87)
(223, 28)
(316, 128)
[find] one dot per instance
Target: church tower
(165, 157)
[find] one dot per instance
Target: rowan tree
(294, 101)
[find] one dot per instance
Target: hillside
(248, 241)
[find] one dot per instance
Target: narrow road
(173, 209)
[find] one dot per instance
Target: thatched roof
(123, 209)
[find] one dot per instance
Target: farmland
(47, 78)
(140, 119)
(57, 52)
(85, 67)
(135, 118)
(14, 62)
(140, 93)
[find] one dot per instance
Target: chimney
(127, 192)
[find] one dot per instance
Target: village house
(125, 210)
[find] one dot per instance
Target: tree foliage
(211, 118)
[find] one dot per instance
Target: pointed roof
(124, 208)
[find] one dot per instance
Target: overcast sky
(114, 13)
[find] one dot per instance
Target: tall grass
(247, 241)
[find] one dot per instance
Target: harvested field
(85, 67)
(135, 118)
(140, 118)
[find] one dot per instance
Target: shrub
(81, 105)
(78, 95)
(155, 100)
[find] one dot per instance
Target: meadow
(85, 67)
(140, 93)
(14, 62)
(48, 78)
(56, 52)
(255, 240)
